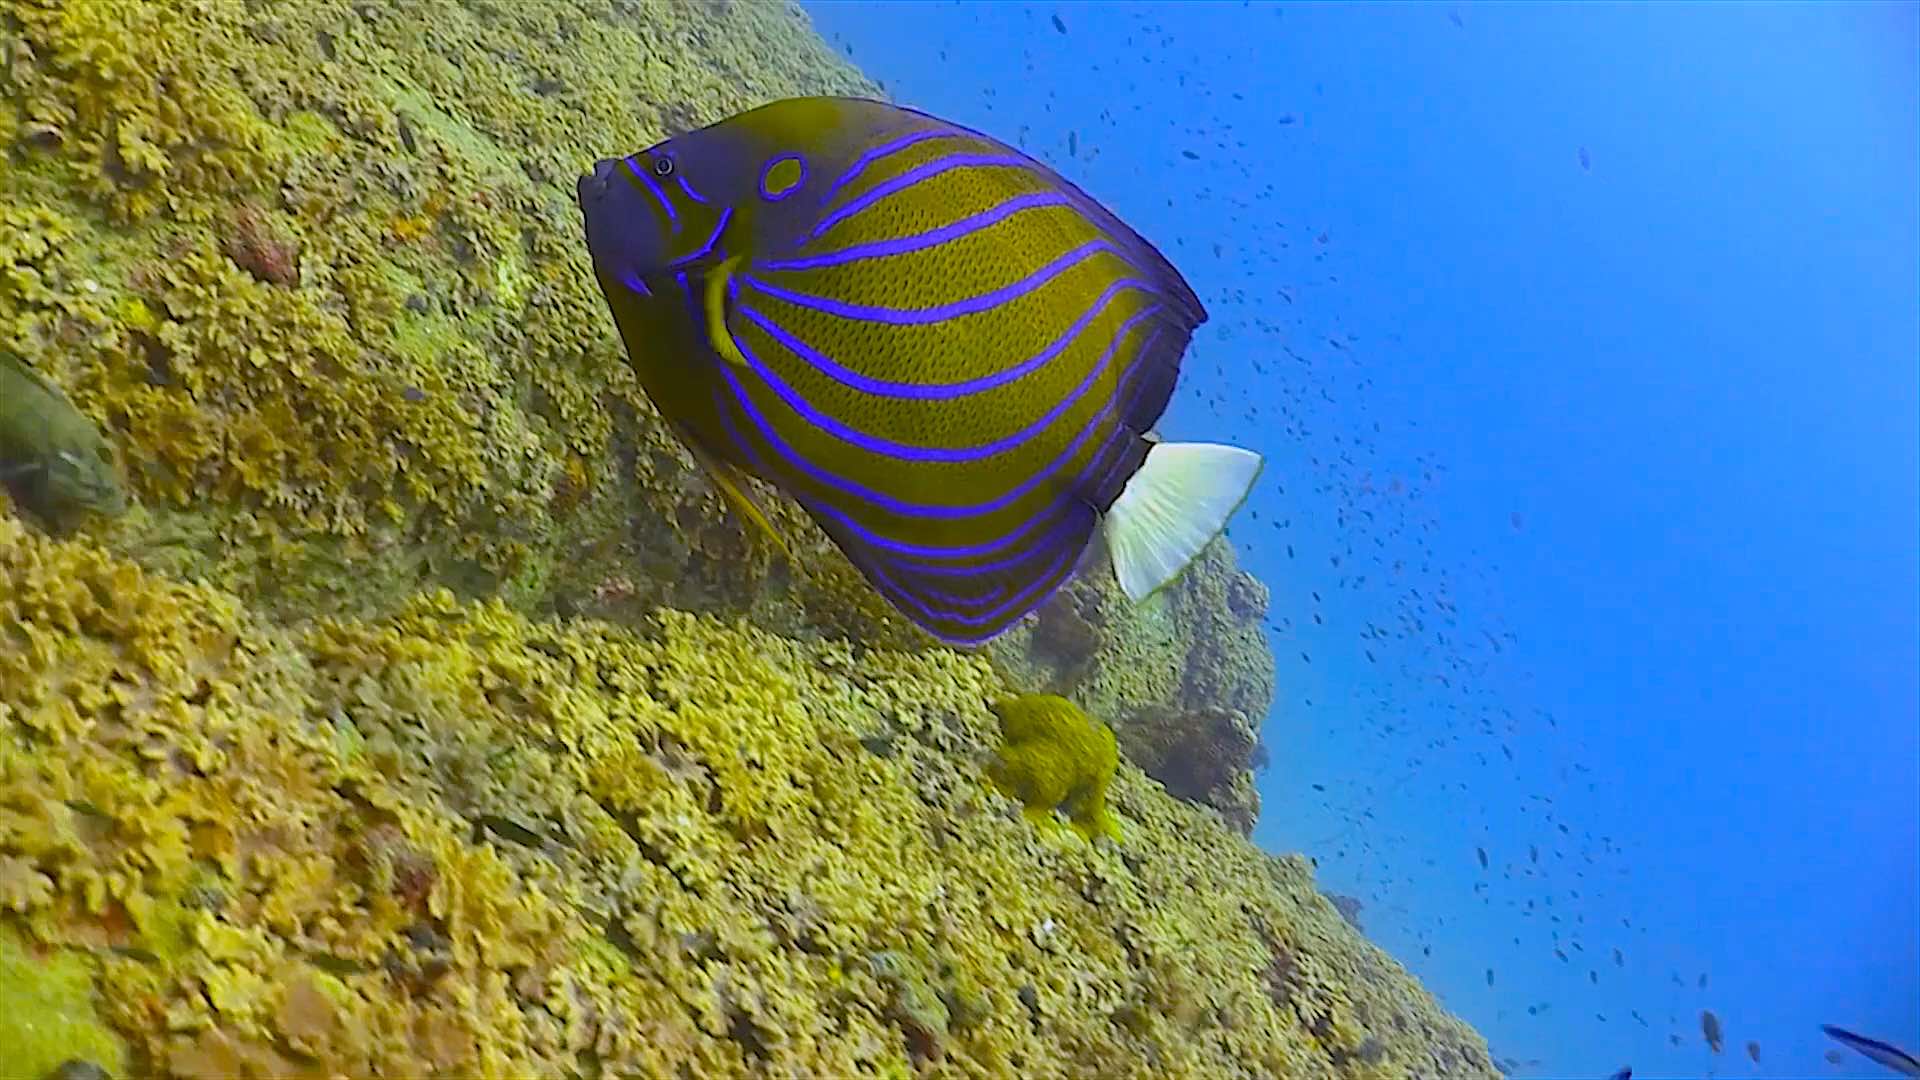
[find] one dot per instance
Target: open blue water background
(1587, 340)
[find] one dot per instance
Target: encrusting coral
(1053, 757)
(315, 267)
(456, 841)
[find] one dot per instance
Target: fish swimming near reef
(1891, 1056)
(946, 353)
(1710, 1030)
(53, 460)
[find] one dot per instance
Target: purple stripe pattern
(912, 178)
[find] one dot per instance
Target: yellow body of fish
(53, 460)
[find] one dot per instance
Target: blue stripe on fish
(918, 241)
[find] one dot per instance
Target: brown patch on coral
(394, 866)
(306, 1017)
(1348, 907)
(1247, 596)
(257, 246)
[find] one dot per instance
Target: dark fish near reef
(53, 460)
(946, 353)
(1891, 1056)
(1710, 1030)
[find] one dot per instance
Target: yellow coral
(366, 312)
(1053, 757)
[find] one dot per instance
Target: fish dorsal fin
(31, 374)
(714, 305)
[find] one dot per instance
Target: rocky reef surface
(453, 840)
(428, 713)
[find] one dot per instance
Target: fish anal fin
(732, 487)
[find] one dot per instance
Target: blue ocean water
(1584, 343)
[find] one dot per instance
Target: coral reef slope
(456, 841)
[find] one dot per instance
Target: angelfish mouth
(594, 184)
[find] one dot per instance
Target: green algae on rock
(47, 1009)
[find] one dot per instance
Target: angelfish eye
(663, 167)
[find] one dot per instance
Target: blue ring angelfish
(946, 353)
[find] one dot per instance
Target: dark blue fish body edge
(1874, 1050)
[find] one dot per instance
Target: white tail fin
(1176, 503)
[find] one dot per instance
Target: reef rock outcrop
(453, 840)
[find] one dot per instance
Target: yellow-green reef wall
(429, 715)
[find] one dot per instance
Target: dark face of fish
(642, 210)
(663, 214)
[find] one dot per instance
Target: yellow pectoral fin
(715, 302)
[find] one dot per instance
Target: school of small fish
(1262, 291)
